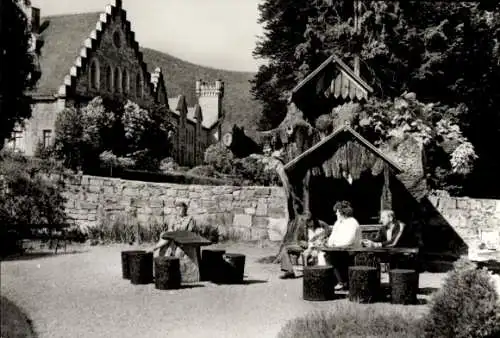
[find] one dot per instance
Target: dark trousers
(340, 263)
(286, 260)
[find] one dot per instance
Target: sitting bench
(190, 259)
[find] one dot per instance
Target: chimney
(33, 15)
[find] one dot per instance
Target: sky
(215, 33)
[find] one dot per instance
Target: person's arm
(161, 243)
(190, 224)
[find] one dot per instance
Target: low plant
(466, 306)
(355, 320)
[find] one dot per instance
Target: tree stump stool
(318, 283)
(368, 259)
(404, 286)
(211, 263)
(141, 267)
(403, 261)
(364, 284)
(126, 262)
(232, 270)
(167, 273)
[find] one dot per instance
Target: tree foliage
(445, 52)
(128, 136)
(18, 67)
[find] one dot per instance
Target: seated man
(389, 234)
(316, 232)
(346, 232)
(181, 221)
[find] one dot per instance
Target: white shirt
(345, 233)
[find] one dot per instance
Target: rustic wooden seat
(318, 283)
(232, 269)
(404, 286)
(190, 244)
(126, 262)
(167, 273)
(141, 267)
(364, 284)
(211, 263)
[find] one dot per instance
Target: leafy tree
(284, 22)
(20, 73)
(446, 53)
(102, 132)
(147, 132)
(79, 133)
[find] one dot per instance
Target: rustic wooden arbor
(323, 168)
(342, 166)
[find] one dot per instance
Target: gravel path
(83, 295)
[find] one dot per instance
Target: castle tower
(210, 100)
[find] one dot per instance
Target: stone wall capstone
(246, 213)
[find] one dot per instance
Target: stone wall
(474, 220)
(246, 213)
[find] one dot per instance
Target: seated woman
(317, 231)
(389, 234)
(180, 221)
(346, 232)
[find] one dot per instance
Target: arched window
(125, 81)
(117, 80)
(94, 74)
(109, 79)
(138, 85)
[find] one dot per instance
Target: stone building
(85, 55)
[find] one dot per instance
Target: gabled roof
(174, 102)
(63, 39)
(320, 151)
(346, 84)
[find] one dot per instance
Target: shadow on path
(35, 255)
(14, 322)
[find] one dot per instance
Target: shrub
(466, 306)
(208, 231)
(354, 320)
(29, 200)
(254, 172)
(220, 157)
(204, 170)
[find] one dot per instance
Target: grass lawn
(15, 324)
(83, 295)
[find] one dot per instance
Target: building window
(109, 79)
(125, 81)
(138, 85)
(16, 142)
(47, 138)
(94, 75)
(117, 80)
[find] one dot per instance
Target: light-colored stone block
(250, 211)
(242, 220)
(277, 228)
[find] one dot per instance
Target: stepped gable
(67, 41)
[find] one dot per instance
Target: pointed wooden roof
(323, 150)
(339, 78)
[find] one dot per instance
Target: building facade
(82, 56)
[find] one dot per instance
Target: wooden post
(306, 195)
(357, 29)
(386, 197)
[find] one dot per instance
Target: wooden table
(190, 244)
(344, 257)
